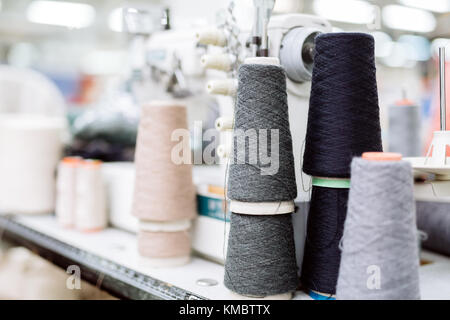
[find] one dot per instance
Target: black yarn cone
(343, 119)
(343, 122)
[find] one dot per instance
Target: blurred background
(86, 49)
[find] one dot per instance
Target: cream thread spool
(223, 151)
(221, 62)
(227, 87)
(160, 249)
(90, 212)
(163, 189)
(224, 123)
(164, 244)
(66, 191)
(262, 208)
(213, 37)
(164, 198)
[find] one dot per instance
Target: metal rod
(442, 87)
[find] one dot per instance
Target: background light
(399, 55)
(404, 18)
(350, 11)
(432, 5)
(115, 20)
(420, 45)
(59, 13)
(440, 42)
(288, 6)
(382, 44)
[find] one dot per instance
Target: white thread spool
(90, 212)
(66, 191)
(119, 178)
(212, 37)
(221, 62)
(30, 148)
(223, 151)
(224, 123)
(262, 208)
(227, 87)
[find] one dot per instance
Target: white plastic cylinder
(90, 209)
(224, 123)
(221, 62)
(66, 191)
(213, 37)
(30, 148)
(274, 61)
(227, 87)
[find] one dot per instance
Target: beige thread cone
(163, 190)
(164, 244)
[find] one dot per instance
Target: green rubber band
(331, 183)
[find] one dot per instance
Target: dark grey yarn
(404, 130)
(434, 219)
(261, 252)
(261, 255)
(262, 104)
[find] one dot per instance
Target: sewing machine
(290, 38)
(175, 58)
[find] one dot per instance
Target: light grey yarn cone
(404, 130)
(379, 247)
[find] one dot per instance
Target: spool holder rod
(260, 39)
(442, 87)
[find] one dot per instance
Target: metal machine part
(297, 53)
(260, 39)
(292, 40)
(442, 87)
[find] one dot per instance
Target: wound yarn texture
(164, 244)
(343, 122)
(434, 219)
(326, 218)
(163, 189)
(261, 255)
(343, 119)
(379, 247)
(261, 251)
(261, 105)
